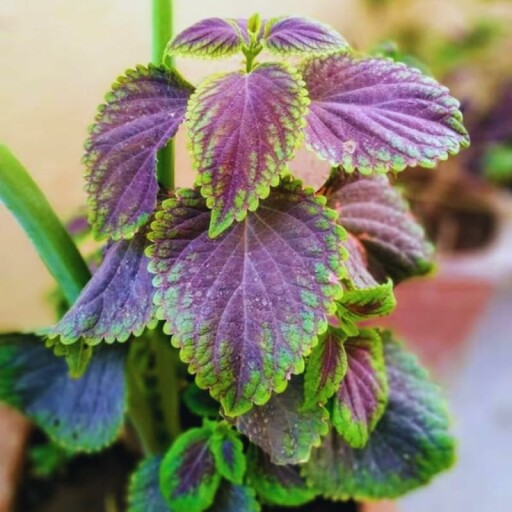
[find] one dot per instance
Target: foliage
(259, 281)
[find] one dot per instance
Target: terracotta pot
(436, 315)
(380, 506)
(14, 430)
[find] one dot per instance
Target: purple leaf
(211, 37)
(325, 368)
(375, 213)
(363, 395)
(409, 446)
(78, 226)
(277, 484)
(118, 300)
(378, 115)
(283, 428)
(356, 263)
(142, 112)
(188, 476)
(83, 414)
(246, 307)
(294, 35)
(243, 128)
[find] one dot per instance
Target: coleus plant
(263, 285)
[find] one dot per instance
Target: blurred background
(58, 58)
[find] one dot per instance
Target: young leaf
(362, 304)
(83, 414)
(210, 38)
(228, 451)
(77, 355)
(235, 498)
(283, 428)
(378, 115)
(295, 35)
(245, 308)
(188, 476)
(325, 368)
(243, 128)
(363, 395)
(256, 21)
(144, 493)
(277, 484)
(142, 112)
(200, 402)
(409, 446)
(375, 213)
(364, 296)
(118, 300)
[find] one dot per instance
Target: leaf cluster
(260, 281)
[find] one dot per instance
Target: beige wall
(57, 59)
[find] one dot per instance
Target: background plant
(258, 280)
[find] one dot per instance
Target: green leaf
(277, 484)
(144, 493)
(24, 199)
(77, 355)
(325, 368)
(235, 498)
(364, 303)
(48, 459)
(363, 395)
(188, 474)
(283, 428)
(228, 451)
(410, 445)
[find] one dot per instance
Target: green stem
(24, 199)
(162, 33)
(167, 360)
(153, 391)
(141, 399)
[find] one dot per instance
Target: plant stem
(153, 391)
(167, 360)
(162, 33)
(141, 401)
(24, 199)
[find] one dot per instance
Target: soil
(318, 506)
(86, 483)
